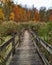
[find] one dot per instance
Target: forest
(19, 14)
(14, 18)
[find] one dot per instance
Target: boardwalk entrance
(26, 53)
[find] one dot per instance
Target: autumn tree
(12, 16)
(25, 14)
(1, 14)
(7, 8)
(20, 13)
(16, 11)
(50, 16)
(36, 15)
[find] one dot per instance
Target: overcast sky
(37, 3)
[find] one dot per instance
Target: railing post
(36, 40)
(19, 37)
(13, 44)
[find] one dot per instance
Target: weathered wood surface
(26, 53)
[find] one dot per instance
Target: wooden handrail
(6, 44)
(46, 43)
(47, 46)
(2, 47)
(45, 61)
(35, 41)
(12, 39)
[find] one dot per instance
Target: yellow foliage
(4, 1)
(11, 16)
(1, 14)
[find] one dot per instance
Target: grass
(44, 30)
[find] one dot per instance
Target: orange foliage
(21, 14)
(50, 15)
(36, 15)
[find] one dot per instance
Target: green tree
(42, 14)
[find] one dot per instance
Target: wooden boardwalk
(26, 53)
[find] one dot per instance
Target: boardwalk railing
(44, 44)
(45, 61)
(47, 46)
(3, 49)
(10, 44)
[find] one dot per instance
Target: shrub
(8, 28)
